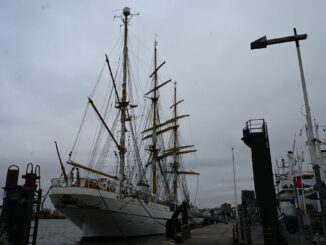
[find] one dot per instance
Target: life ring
(112, 188)
(103, 185)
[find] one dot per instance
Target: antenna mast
(235, 186)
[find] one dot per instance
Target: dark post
(247, 197)
(173, 225)
(321, 195)
(21, 205)
(255, 136)
(184, 213)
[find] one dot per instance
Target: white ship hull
(100, 213)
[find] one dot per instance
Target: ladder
(35, 216)
(32, 228)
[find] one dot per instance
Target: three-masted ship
(139, 193)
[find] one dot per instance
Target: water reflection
(63, 232)
(160, 239)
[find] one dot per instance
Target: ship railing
(91, 183)
(107, 185)
(101, 184)
(305, 187)
(255, 126)
(58, 182)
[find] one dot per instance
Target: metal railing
(255, 126)
(102, 183)
(107, 185)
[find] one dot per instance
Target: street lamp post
(263, 42)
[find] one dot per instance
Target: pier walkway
(216, 234)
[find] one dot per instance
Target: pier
(215, 234)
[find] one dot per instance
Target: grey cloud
(52, 52)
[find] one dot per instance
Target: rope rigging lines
(103, 155)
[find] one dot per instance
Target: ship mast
(175, 165)
(123, 102)
(176, 149)
(158, 128)
(154, 124)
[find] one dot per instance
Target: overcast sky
(52, 52)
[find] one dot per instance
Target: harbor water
(63, 232)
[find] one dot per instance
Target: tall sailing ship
(137, 194)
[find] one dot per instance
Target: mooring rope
(150, 213)
(45, 196)
(119, 228)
